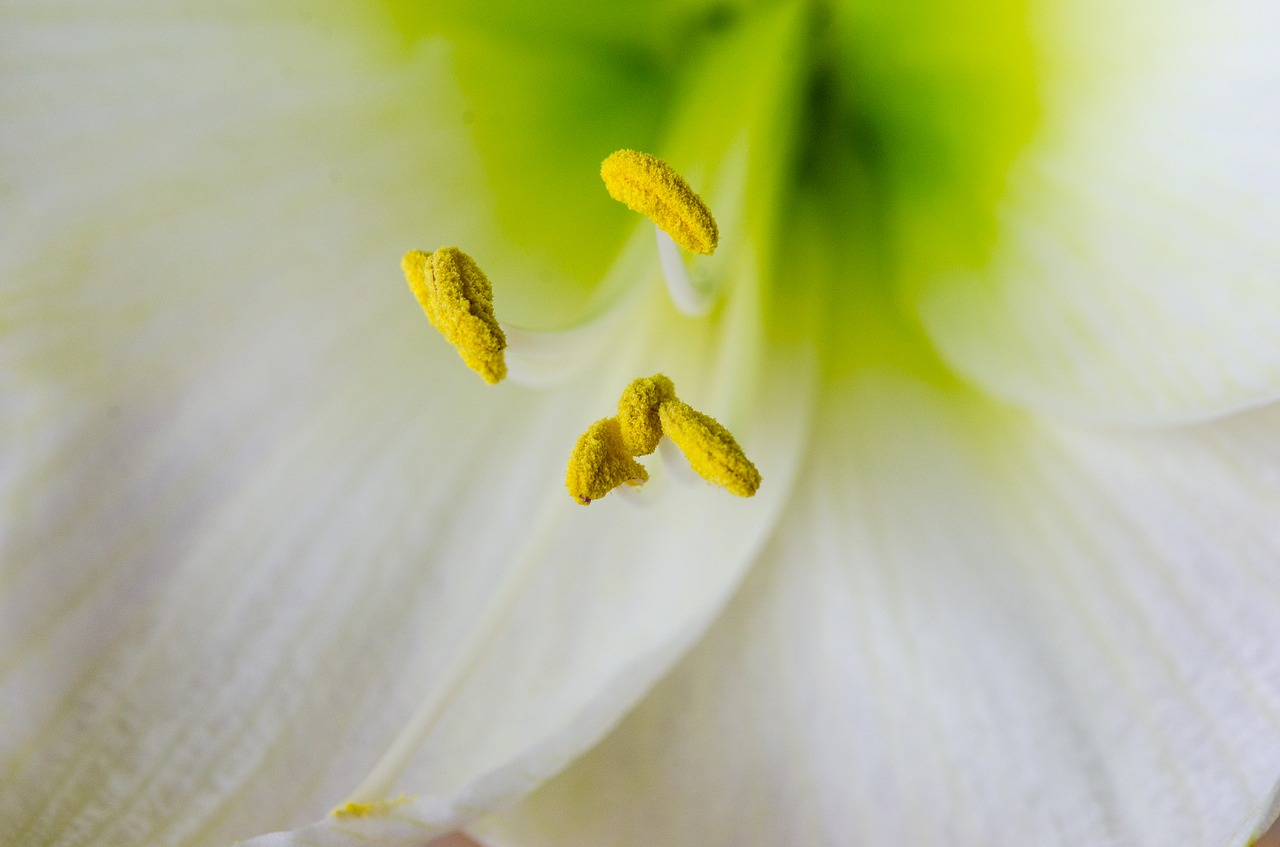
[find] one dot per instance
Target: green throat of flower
(855, 151)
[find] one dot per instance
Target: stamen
(600, 463)
(688, 298)
(650, 186)
(710, 448)
(604, 457)
(638, 413)
(458, 300)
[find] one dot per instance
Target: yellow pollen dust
(638, 413)
(650, 186)
(710, 448)
(369, 810)
(604, 456)
(458, 300)
(600, 463)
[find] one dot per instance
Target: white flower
(996, 314)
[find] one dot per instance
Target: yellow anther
(638, 413)
(600, 463)
(604, 456)
(458, 300)
(709, 447)
(650, 186)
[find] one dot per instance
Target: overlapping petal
(1134, 274)
(972, 627)
(265, 536)
(258, 547)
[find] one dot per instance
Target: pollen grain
(369, 810)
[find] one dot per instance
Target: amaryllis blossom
(994, 310)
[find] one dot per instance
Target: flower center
(913, 115)
(458, 301)
(855, 151)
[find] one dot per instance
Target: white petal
(970, 629)
(256, 512)
(1136, 274)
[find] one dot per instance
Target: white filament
(690, 299)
